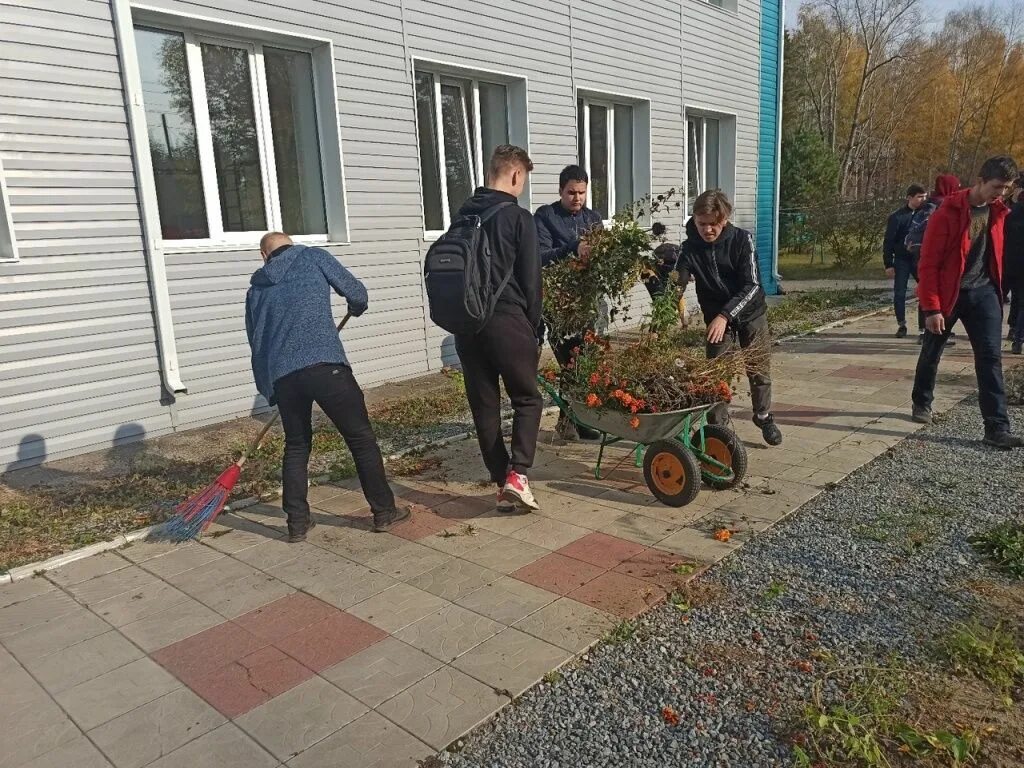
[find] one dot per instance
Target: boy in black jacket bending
(722, 261)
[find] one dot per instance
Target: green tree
(810, 171)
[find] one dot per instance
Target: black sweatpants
(333, 387)
(505, 349)
(755, 334)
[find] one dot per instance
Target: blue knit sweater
(288, 313)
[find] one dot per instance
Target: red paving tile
(420, 524)
(658, 567)
(243, 685)
(619, 594)
(558, 573)
(211, 649)
(424, 497)
(601, 550)
(284, 617)
(464, 508)
(331, 640)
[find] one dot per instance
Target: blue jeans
(906, 267)
(981, 313)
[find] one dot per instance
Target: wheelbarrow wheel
(722, 444)
(672, 473)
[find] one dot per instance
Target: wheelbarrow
(677, 449)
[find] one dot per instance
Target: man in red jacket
(960, 278)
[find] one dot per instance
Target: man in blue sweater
(298, 360)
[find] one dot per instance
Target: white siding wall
(78, 355)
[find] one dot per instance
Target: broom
(195, 514)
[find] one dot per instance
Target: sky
(935, 8)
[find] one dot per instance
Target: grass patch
(1003, 546)
(775, 590)
(554, 677)
(804, 266)
(909, 530)
(621, 632)
(989, 653)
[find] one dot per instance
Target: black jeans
(980, 312)
(334, 389)
(755, 334)
(506, 349)
(1016, 317)
(906, 267)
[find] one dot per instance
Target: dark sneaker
(901, 332)
(1016, 348)
(1004, 441)
(294, 537)
(384, 521)
(769, 430)
(1009, 335)
(921, 415)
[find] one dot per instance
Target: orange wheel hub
(718, 451)
(669, 473)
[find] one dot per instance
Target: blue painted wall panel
(767, 165)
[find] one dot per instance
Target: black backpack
(458, 275)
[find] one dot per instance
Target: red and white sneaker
(504, 506)
(517, 488)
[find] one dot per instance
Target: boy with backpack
(484, 286)
(723, 263)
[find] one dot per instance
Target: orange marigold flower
(634, 407)
(627, 399)
(634, 422)
(617, 394)
(723, 534)
(593, 400)
(594, 379)
(550, 375)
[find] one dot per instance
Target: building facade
(145, 147)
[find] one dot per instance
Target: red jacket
(947, 241)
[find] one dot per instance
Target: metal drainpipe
(146, 189)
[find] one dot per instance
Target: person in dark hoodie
(900, 265)
(298, 360)
(561, 230)
(961, 273)
(508, 346)
(1013, 264)
(721, 259)
(945, 184)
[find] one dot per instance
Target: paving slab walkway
(363, 649)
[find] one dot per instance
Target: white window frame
(726, 151)
(194, 26)
(8, 242)
(641, 145)
(516, 114)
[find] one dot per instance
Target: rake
(194, 515)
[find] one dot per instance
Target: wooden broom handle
(255, 444)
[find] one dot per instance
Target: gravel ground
(874, 565)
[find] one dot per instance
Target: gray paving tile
(153, 730)
(639, 529)
(449, 633)
(186, 557)
(238, 535)
(212, 577)
(408, 561)
(56, 634)
(353, 585)
(459, 538)
(397, 607)
(237, 597)
(506, 554)
(225, 747)
(141, 551)
(567, 624)
(103, 698)
(383, 670)
(313, 566)
(454, 579)
(23, 589)
(35, 611)
(358, 544)
(33, 724)
(549, 534)
(79, 752)
(87, 568)
(372, 741)
(113, 584)
(296, 720)
(182, 620)
(270, 553)
(507, 600)
(83, 661)
(511, 660)
(146, 600)
(443, 706)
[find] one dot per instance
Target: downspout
(778, 142)
(146, 189)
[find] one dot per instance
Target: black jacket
(727, 278)
(559, 232)
(896, 229)
(1013, 245)
(513, 239)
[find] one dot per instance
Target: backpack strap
(484, 217)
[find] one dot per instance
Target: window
(234, 137)
(608, 151)
(703, 156)
(8, 245)
(460, 122)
